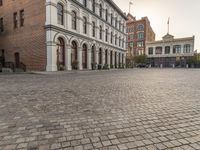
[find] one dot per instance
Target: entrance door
(17, 60)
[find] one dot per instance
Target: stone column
(108, 58)
(89, 63)
(80, 66)
(97, 55)
(103, 57)
(51, 57)
(68, 57)
(117, 60)
(113, 60)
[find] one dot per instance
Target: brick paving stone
(122, 147)
(127, 109)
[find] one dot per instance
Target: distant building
(139, 32)
(170, 52)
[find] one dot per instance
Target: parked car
(142, 65)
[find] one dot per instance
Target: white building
(84, 32)
(170, 52)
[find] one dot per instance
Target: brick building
(22, 35)
(58, 34)
(139, 32)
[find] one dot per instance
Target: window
(120, 25)
(141, 35)
(176, 49)
(74, 18)
(140, 27)
(116, 22)
(131, 36)
(93, 6)
(93, 29)
(106, 14)
(1, 2)
(131, 44)
(1, 25)
(111, 19)
(22, 18)
(84, 25)
(167, 49)
(100, 32)
(187, 48)
(122, 43)
(100, 10)
(140, 44)
(60, 14)
(85, 3)
(119, 41)
(150, 51)
(111, 37)
(158, 50)
(115, 39)
(106, 35)
(15, 20)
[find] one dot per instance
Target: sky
(184, 16)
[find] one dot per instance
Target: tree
(141, 59)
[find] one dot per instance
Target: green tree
(141, 59)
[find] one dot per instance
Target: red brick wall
(29, 40)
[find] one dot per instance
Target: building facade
(63, 34)
(139, 32)
(170, 52)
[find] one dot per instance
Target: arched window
(116, 22)
(100, 10)
(119, 41)
(115, 39)
(93, 6)
(106, 14)
(111, 19)
(60, 14)
(140, 27)
(93, 29)
(111, 37)
(100, 32)
(74, 19)
(120, 25)
(85, 3)
(84, 25)
(106, 35)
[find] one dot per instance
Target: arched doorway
(119, 60)
(100, 56)
(60, 54)
(84, 56)
(74, 55)
(115, 59)
(111, 58)
(106, 56)
(93, 59)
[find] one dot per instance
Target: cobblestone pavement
(139, 109)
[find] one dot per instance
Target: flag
(130, 3)
(168, 21)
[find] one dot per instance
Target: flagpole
(168, 25)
